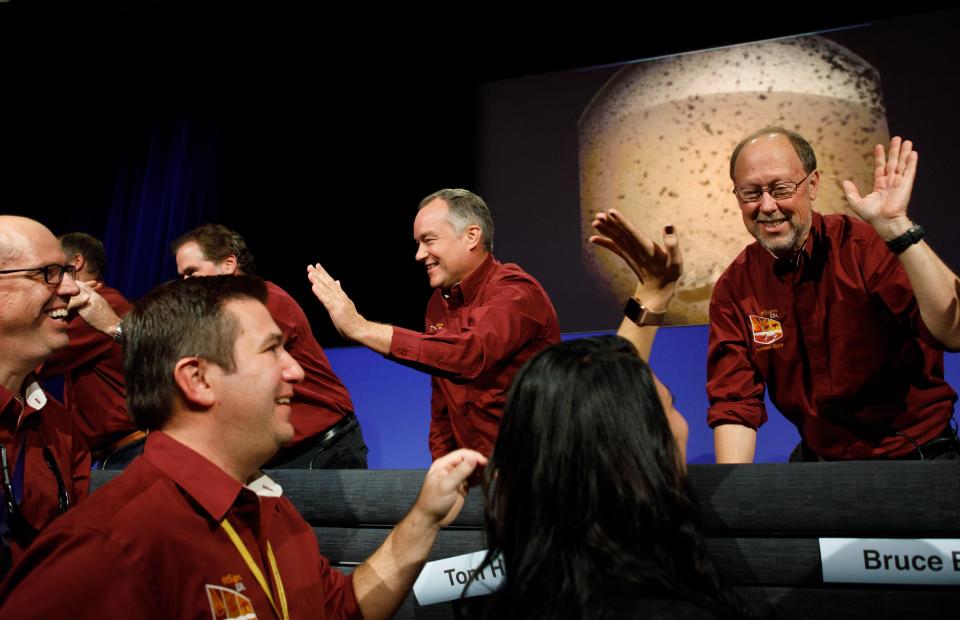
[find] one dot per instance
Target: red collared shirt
(42, 421)
(838, 340)
(478, 335)
(150, 545)
(93, 388)
(320, 400)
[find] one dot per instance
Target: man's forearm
(937, 290)
(382, 582)
(375, 336)
(734, 443)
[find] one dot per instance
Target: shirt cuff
(405, 344)
(351, 608)
(752, 415)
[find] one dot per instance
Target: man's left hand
(885, 208)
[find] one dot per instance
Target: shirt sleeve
(734, 388)
(442, 440)
(508, 318)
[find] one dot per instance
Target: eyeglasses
(781, 190)
(52, 274)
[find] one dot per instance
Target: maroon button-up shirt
(837, 338)
(320, 400)
(93, 388)
(41, 421)
(478, 335)
(150, 545)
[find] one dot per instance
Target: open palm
(892, 184)
(656, 266)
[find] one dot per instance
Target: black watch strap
(641, 315)
(904, 241)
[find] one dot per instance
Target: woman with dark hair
(587, 499)
(588, 502)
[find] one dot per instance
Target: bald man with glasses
(844, 321)
(44, 463)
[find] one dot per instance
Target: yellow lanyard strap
(283, 613)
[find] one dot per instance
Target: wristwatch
(641, 315)
(118, 335)
(898, 244)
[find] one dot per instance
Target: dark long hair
(587, 500)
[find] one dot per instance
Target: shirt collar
(207, 484)
(34, 399)
(465, 291)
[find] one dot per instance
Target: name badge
(929, 561)
(444, 580)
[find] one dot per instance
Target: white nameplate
(931, 561)
(444, 580)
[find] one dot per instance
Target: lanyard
(282, 613)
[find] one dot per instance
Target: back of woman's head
(583, 430)
(586, 498)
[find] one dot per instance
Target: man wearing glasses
(44, 463)
(843, 320)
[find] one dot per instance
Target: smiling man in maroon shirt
(843, 320)
(44, 462)
(483, 322)
(193, 529)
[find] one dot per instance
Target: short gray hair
(465, 208)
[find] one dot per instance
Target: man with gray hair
(483, 322)
(844, 320)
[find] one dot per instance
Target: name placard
(444, 580)
(927, 561)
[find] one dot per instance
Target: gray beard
(787, 246)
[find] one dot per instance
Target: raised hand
(657, 267)
(339, 306)
(885, 208)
